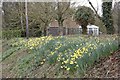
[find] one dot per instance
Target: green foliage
(40, 15)
(11, 17)
(71, 53)
(14, 17)
(9, 52)
(99, 22)
(8, 34)
(84, 14)
(107, 17)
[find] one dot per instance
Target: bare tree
(26, 14)
(119, 23)
(21, 14)
(62, 12)
(119, 18)
(93, 8)
(102, 28)
(43, 12)
(1, 12)
(115, 13)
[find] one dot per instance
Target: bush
(8, 34)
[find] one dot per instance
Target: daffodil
(75, 62)
(68, 69)
(66, 61)
(62, 62)
(72, 58)
(58, 60)
(52, 53)
(43, 59)
(42, 62)
(84, 49)
(65, 66)
(71, 62)
(61, 66)
(31, 47)
(77, 65)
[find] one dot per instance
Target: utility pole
(26, 13)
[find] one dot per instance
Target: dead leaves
(107, 67)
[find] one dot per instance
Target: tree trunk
(60, 28)
(118, 24)
(84, 29)
(66, 31)
(21, 18)
(84, 24)
(45, 30)
(27, 29)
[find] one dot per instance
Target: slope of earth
(106, 67)
(18, 62)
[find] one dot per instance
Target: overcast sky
(96, 3)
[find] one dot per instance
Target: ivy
(107, 17)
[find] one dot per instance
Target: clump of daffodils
(31, 43)
(66, 51)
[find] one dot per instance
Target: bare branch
(66, 8)
(94, 9)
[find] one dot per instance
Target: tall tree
(115, 14)
(94, 8)
(84, 16)
(119, 17)
(11, 15)
(98, 18)
(118, 23)
(107, 16)
(1, 13)
(62, 11)
(43, 12)
(21, 12)
(26, 14)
